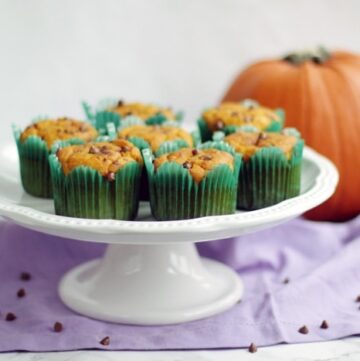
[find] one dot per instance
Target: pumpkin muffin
(97, 180)
(190, 183)
(110, 111)
(231, 116)
(271, 169)
(34, 145)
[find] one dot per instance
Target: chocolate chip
(252, 348)
(324, 325)
(205, 157)
(10, 316)
(125, 148)
(25, 276)
(303, 330)
(357, 299)
(21, 293)
(286, 280)
(187, 165)
(120, 103)
(194, 152)
(105, 341)
(110, 176)
(219, 124)
(94, 150)
(58, 327)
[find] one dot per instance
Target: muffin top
(238, 114)
(198, 162)
(156, 135)
(105, 157)
(51, 130)
(142, 111)
(247, 143)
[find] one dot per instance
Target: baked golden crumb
(156, 135)
(247, 143)
(238, 114)
(198, 162)
(105, 157)
(52, 130)
(142, 111)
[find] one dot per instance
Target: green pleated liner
(34, 163)
(275, 126)
(85, 193)
(174, 194)
(101, 116)
(268, 177)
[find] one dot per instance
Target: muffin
(34, 145)
(110, 111)
(191, 183)
(271, 170)
(97, 180)
(229, 117)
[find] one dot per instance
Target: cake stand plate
(151, 273)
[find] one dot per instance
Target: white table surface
(347, 349)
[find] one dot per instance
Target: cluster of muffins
(239, 157)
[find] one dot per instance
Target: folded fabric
(299, 273)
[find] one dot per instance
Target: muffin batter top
(51, 130)
(231, 113)
(142, 111)
(198, 162)
(105, 157)
(247, 143)
(156, 135)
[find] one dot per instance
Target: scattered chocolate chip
(110, 176)
(187, 165)
(357, 299)
(10, 316)
(58, 327)
(194, 152)
(303, 330)
(286, 280)
(205, 157)
(25, 276)
(120, 103)
(94, 150)
(21, 293)
(105, 341)
(324, 325)
(219, 124)
(252, 348)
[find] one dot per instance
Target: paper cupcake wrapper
(175, 195)
(268, 178)
(85, 193)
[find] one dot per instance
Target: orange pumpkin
(320, 93)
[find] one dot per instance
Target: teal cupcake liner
(85, 193)
(275, 126)
(174, 194)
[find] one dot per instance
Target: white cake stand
(151, 273)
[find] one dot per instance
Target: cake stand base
(150, 285)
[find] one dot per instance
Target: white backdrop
(180, 52)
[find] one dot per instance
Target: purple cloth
(320, 259)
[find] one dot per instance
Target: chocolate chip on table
(58, 327)
(120, 103)
(219, 124)
(10, 316)
(194, 152)
(303, 330)
(324, 325)
(357, 299)
(110, 176)
(25, 276)
(286, 280)
(21, 293)
(105, 341)
(187, 165)
(94, 150)
(252, 348)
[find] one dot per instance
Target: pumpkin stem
(317, 55)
